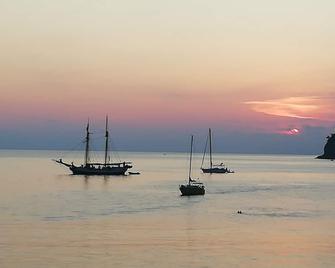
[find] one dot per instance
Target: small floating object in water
(134, 173)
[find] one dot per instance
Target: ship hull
(188, 190)
(96, 171)
(215, 170)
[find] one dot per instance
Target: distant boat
(220, 168)
(96, 168)
(193, 187)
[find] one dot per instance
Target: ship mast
(87, 141)
(106, 142)
(210, 148)
(189, 172)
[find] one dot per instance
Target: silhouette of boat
(134, 173)
(96, 168)
(193, 187)
(220, 168)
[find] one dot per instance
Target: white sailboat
(220, 168)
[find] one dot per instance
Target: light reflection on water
(51, 217)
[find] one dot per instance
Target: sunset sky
(260, 73)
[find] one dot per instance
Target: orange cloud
(310, 107)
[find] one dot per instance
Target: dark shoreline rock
(329, 149)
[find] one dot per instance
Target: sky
(259, 73)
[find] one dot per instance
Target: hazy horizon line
(158, 151)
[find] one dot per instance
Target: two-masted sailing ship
(96, 168)
(193, 187)
(218, 168)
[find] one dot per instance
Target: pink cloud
(309, 107)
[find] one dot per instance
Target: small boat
(220, 168)
(193, 187)
(96, 168)
(134, 173)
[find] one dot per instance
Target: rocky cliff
(329, 149)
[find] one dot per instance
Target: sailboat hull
(215, 170)
(102, 171)
(187, 190)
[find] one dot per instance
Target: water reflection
(137, 221)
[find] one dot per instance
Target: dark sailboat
(193, 187)
(220, 168)
(96, 168)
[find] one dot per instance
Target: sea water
(50, 218)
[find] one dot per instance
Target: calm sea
(49, 218)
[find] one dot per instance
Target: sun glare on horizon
(290, 132)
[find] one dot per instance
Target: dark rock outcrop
(329, 150)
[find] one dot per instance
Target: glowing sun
(291, 132)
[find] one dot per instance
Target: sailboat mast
(210, 148)
(189, 172)
(87, 141)
(205, 150)
(106, 141)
